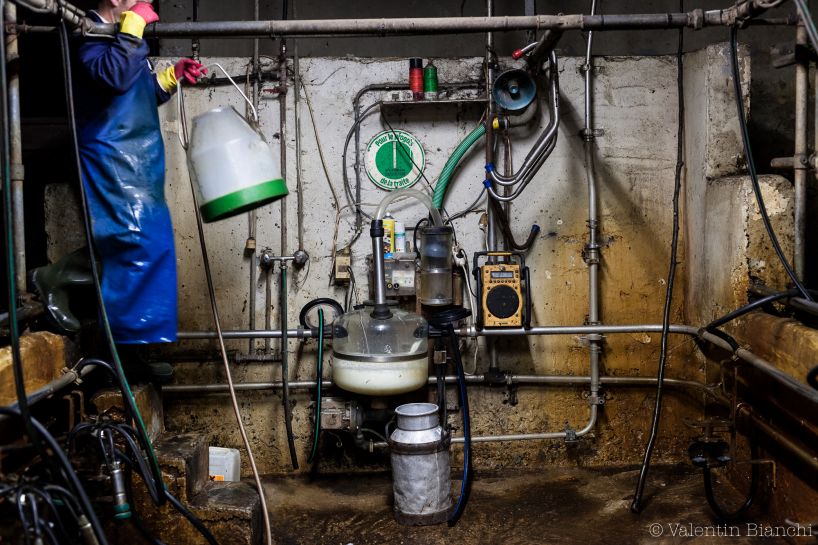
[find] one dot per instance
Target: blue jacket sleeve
(117, 64)
(162, 96)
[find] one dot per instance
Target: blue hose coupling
(487, 184)
(535, 228)
(489, 167)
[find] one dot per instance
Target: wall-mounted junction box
(343, 261)
(400, 273)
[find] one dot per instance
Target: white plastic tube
(419, 195)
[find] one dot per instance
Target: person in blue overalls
(123, 170)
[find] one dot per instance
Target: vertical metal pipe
(592, 253)
(268, 307)
(250, 246)
(378, 266)
(297, 112)
(491, 226)
(282, 100)
(16, 149)
(800, 163)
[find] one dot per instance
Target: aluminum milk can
(420, 466)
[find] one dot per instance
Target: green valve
(430, 82)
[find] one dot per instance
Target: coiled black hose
(741, 511)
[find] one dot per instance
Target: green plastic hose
(454, 160)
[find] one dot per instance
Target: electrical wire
(214, 307)
(335, 200)
(730, 316)
(68, 473)
(285, 368)
(636, 504)
(319, 371)
(751, 168)
(127, 394)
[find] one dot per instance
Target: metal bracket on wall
(571, 435)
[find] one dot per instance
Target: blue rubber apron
(123, 162)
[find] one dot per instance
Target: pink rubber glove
(145, 10)
(190, 70)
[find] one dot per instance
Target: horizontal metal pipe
(245, 334)
(471, 331)
(66, 379)
(468, 331)
(765, 367)
(542, 380)
(423, 25)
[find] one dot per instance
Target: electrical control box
(400, 272)
(343, 261)
(503, 295)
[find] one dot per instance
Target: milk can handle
(249, 102)
(180, 101)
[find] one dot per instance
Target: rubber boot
(139, 370)
(54, 282)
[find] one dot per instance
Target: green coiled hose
(454, 160)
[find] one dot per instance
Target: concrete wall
(771, 126)
(634, 103)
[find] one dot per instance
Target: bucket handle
(182, 117)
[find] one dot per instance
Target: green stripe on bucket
(243, 200)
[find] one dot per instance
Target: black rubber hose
(465, 485)
(179, 506)
(718, 322)
(319, 302)
(741, 511)
(68, 472)
(202, 529)
(508, 234)
(751, 167)
(285, 369)
(636, 504)
(812, 377)
(135, 518)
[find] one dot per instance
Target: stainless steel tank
(420, 466)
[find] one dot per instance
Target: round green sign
(394, 160)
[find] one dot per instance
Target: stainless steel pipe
(531, 380)
(466, 331)
(800, 155)
(16, 152)
(427, 25)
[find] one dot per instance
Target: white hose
(216, 322)
(414, 193)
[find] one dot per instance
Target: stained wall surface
(634, 104)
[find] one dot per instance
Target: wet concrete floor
(565, 506)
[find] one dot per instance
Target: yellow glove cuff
(167, 79)
(131, 23)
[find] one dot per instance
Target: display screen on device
(502, 274)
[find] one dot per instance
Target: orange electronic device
(503, 290)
